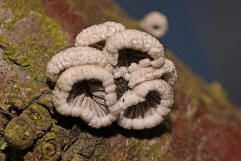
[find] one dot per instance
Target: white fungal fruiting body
(137, 40)
(147, 114)
(132, 63)
(87, 107)
(155, 23)
(141, 74)
(74, 56)
(97, 33)
(169, 69)
(120, 72)
(128, 99)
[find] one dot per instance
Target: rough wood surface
(203, 124)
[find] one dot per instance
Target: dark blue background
(204, 34)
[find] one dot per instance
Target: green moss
(50, 136)
(160, 149)
(59, 132)
(9, 50)
(88, 144)
(32, 52)
(76, 157)
(3, 144)
(22, 8)
(100, 154)
(219, 93)
(16, 132)
(87, 147)
(38, 116)
(20, 133)
(45, 100)
(49, 147)
(135, 149)
(19, 93)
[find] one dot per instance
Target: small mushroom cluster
(113, 73)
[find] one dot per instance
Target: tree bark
(203, 124)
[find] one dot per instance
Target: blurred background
(205, 35)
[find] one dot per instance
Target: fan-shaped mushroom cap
(136, 40)
(74, 56)
(86, 91)
(97, 33)
(169, 73)
(140, 74)
(145, 106)
(155, 23)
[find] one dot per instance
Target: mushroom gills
(89, 93)
(146, 108)
(127, 56)
(121, 86)
(99, 45)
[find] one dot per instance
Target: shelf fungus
(155, 23)
(131, 47)
(141, 74)
(132, 50)
(74, 56)
(113, 74)
(146, 105)
(96, 35)
(86, 91)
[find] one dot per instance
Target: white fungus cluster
(96, 35)
(113, 74)
(155, 23)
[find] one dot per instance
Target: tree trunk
(203, 124)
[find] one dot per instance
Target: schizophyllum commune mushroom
(113, 74)
(145, 105)
(96, 35)
(155, 23)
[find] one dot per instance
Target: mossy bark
(203, 124)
